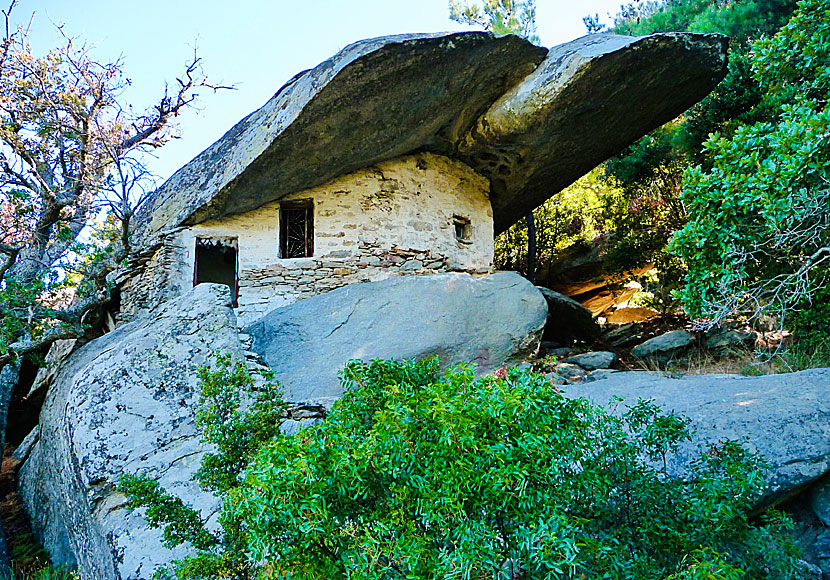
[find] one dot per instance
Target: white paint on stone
(394, 218)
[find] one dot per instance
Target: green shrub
(421, 476)
(414, 475)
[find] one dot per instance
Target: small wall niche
(463, 229)
(217, 263)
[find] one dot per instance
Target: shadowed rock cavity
(531, 120)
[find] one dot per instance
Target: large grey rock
(589, 99)
(784, 417)
(568, 320)
(124, 403)
(466, 95)
(489, 320)
(664, 348)
(374, 100)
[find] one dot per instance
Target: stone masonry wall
(397, 218)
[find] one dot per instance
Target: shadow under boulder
(568, 320)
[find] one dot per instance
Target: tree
(758, 237)
(72, 175)
(498, 16)
(650, 172)
(71, 178)
(505, 17)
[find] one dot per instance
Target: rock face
(489, 320)
(589, 98)
(784, 417)
(530, 120)
(124, 403)
(374, 100)
(664, 348)
(568, 320)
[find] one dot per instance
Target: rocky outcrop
(568, 320)
(487, 320)
(374, 100)
(786, 417)
(123, 403)
(530, 120)
(589, 99)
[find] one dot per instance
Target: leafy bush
(758, 237)
(414, 475)
(421, 476)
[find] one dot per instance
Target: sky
(256, 46)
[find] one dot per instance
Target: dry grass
(743, 362)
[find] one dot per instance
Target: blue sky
(254, 45)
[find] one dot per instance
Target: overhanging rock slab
(531, 120)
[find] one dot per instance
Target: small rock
(623, 336)
(411, 265)
(664, 348)
(525, 366)
(591, 361)
(570, 373)
(560, 352)
(722, 342)
(548, 345)
(599, 374)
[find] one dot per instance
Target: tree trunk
(531, 248)
(9, 375)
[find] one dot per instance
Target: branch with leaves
(72, 175)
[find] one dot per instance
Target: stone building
(403, 155)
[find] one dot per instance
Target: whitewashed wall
(392, 219)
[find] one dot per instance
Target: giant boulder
(487, 320)
(530, 120)
(785, 417)
(124, 403)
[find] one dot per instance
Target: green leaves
(762, 209)
(418, 475)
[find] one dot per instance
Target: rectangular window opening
(217, 263)
(463, 229)
(297, 229)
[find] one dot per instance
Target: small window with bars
(297, 229)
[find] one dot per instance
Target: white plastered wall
(397, 217)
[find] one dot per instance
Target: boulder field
(125, 402)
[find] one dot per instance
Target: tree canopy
(758, 237)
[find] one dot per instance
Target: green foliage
(234, 433)
(576, 215)
(741, 20)
(759, 228)
(414, 475)
(498, 16)
(649, 174)
(45, 573)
